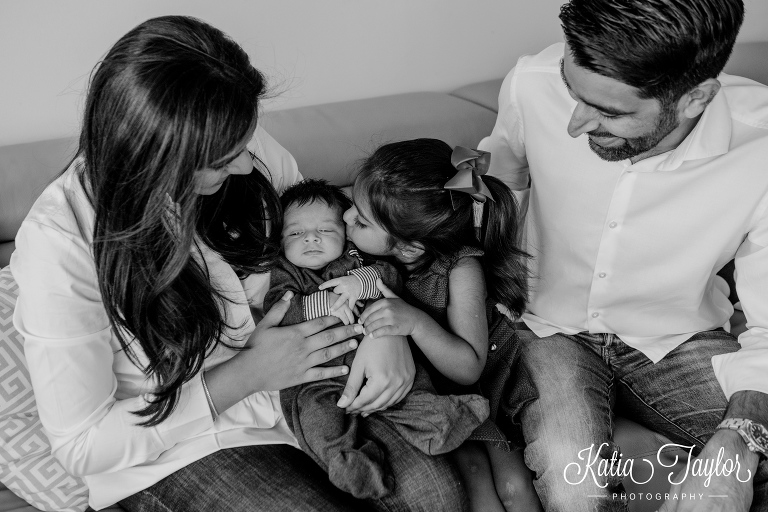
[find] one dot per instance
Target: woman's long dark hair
(403, 182)
(172, 96)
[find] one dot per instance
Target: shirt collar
(710, 137)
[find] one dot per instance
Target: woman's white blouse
(85, 386)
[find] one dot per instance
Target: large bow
(471, 165)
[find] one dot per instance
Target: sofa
(327, 141)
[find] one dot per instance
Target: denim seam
(664, 417)
(381, 503)
(157, 500)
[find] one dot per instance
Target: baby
(316, 251)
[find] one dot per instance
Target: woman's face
(208, 181)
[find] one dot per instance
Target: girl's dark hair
(309, 190)
(663, 48)
(403, 182)
(172, 96)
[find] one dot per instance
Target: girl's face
(363, 232)
(209, 180)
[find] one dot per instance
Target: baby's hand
(344, 314)
(348, 289)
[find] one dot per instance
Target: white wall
(314, 51)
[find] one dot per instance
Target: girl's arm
(460, 354)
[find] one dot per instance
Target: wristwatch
(753, 433)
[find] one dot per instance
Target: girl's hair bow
(471, 164)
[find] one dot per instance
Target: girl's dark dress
(428, 290)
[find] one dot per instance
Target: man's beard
(634, 146)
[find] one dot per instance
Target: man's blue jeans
(583, 379)
(272, 478)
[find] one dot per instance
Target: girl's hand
(390, 315)
(347, 287)
(386, 366)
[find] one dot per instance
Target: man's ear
(410, 252)
(693, 103)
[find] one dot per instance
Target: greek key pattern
(26, 465)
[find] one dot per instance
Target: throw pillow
(26, 464)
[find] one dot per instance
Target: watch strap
(753, 433)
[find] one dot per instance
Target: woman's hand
(386, 366)
(390, 315)
(281, 357)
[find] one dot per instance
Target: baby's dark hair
(402, 184)
(311, 190)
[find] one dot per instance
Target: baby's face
(313, 235)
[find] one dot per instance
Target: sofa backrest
(326, 140)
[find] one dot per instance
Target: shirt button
(612, 225)
(602, 274)
(595, 315)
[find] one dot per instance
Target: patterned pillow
(26, 464)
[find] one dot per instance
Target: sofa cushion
(485, 94)
(26, 464)
(328, 141)
(25, 171)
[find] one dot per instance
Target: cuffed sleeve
(367, 277)
(316, 305)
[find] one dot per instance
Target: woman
(136, 270)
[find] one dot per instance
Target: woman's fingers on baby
(323, 355)
(332, 336)
(275, 315)
(324, 372)
(352, 388)
(316, 325)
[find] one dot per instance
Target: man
(659, 179)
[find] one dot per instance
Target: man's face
(619, 123)
(313, 235)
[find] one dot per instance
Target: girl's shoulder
(445, 264)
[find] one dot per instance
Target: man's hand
(724, 492)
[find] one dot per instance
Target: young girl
(454, 232)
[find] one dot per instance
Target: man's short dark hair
(310, 190)
(664, 48)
